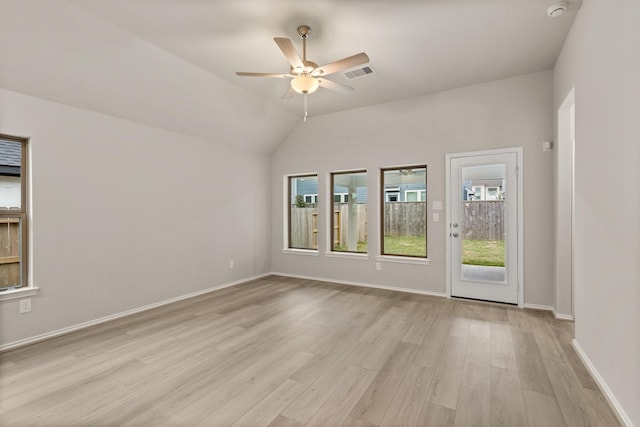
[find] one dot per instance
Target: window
(392, 194)
(303, 212)
(311, 198)
(404, 221)
(340, 197)
(349, 211)
(493, 193)
(13, 213)
(478, 192)
(415, 196)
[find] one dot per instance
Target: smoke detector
(557, 9)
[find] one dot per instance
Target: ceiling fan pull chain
(305, 107)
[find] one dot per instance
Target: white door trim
(520, 215)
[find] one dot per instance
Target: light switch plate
(436, 217)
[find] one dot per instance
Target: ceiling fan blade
(338, 87)
(276, 75)
(343, 64)
(290, 93)
(286, 46)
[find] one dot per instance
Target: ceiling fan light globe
(304, 83)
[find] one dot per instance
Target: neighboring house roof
(10, 153)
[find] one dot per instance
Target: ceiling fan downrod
(304, 31)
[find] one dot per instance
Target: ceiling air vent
(358, 72)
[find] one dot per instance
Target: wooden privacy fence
(401, 219)
(405, 218)
(483, 220)
(304, 227)
(9, 252)
(341, 223)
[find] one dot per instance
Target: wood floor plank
(448, 375)
(337, 407)
(602, 409)
(570, 395)
(281, 421)
(436, 416)
(533, 374)
(354, 422)
(473, 408)
(268, 409)
(507, 405)
(291, 352)
(303, 408)
(476, 376)
(376, 399)
(231, 411)
(542, 410)
(502, 351)
(410, 397)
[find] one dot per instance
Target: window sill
(308, 252)
(403, 260)
(348, 255)
(18, 293)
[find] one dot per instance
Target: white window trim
(25, 291)
(291, 251)
(403, 259)
(348, 255)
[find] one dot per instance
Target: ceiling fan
(306, 76)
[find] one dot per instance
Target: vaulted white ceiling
(172, 62)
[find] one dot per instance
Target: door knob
(455, 234)
(454, 225)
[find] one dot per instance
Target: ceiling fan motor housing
(304, 31)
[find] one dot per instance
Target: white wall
(505, 113)
(125, 214)
(600, 59)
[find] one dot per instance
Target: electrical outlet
(378, 266)
(231, 264)
(25, 305)
(436, 217)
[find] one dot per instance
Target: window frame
(495, 196)
(331, 245)
(383, 200)
(288, 205)
(21, 214)
(418, 197)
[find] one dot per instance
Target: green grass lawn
(483, 252)
(362, 247)
(405, 245)
(397, 245)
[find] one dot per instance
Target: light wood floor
(290, 352)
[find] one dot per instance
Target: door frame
(520, 214)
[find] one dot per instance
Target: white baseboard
(538, 307)
(563, 316)
(363, 285)
(551, 309)
(69, 329)
(613, 402)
